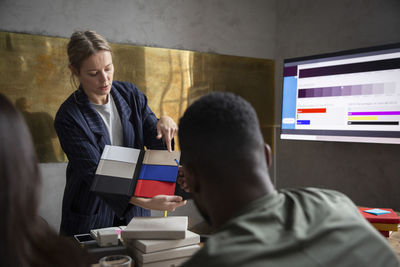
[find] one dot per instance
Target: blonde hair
(82, 45)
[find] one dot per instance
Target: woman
(100, 112)
(26, 240)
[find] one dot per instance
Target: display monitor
(349, 96)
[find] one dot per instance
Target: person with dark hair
(26, 239)
(104, 112)
(225, 167)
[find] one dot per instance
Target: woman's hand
(159, 202)
(166, 129)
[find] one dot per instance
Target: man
(225, 166)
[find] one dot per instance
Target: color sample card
(116, 168)
(119, 153)
(161, 157)
(150, 188)
(158, 173)
(129, 171)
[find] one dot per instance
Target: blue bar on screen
(303, 122)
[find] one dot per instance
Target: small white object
(118, 230)
(107, 237)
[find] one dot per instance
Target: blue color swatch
(158, 173)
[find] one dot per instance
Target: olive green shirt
(298, 227)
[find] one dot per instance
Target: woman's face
(96, 76)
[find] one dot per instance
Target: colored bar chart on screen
(372, 117)
(369, 113)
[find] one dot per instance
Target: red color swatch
(150, 188)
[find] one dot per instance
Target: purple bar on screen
(385, 64)
(301, 93)
(374, 113)
(290, 71)
(336, 91)
(356, 90)
(366, 89)
(327, 91)
(346, 90)
(310, 93)
(317, 92)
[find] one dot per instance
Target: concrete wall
(53, 183)
(234, 27)
(368, 173)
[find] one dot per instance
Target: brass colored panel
(34, 74)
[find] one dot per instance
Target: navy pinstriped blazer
(83, 136)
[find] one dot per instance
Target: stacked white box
(161, 252)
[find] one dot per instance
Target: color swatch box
(142, 173)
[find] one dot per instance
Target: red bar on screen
(311, 110)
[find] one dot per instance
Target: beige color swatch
(161, 157)
(116, 168)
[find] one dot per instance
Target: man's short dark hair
(219, 131)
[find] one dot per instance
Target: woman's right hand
(159, 202)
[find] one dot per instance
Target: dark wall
(368, 173)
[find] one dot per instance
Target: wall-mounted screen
(349, 96)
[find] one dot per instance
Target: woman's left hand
(166, 129)
(159, 202)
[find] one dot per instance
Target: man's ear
(268, 154)
(191, 180)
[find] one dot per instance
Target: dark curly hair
(218, 133)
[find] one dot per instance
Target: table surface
(394, 241)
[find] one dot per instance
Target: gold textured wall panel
(34, 75)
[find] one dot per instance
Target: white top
(109, 113)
